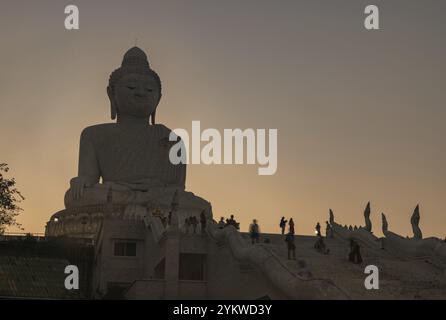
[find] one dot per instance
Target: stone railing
(294, 285)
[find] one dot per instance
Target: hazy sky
(360, 114)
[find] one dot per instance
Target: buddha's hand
(77, 185)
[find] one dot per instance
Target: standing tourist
(254, 231)
(283, 224)
(291, 224)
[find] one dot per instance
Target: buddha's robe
(133, 162)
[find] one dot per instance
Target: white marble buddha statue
(128, 161)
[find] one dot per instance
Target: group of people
(289, 238)
(192, 221)
(283, 223)
(228, 222)
(254, 234)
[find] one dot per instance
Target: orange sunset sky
(360, 114)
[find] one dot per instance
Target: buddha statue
(127, 162)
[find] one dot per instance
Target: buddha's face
(136, 95)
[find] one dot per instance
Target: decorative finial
(368, 223)
(385, 225)
(331, 214)
(415, 220)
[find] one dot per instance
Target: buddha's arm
(179, 172)
(181, 175)
(88, 171)
(174, 174)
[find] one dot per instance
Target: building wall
(224, 276)
(111, 269)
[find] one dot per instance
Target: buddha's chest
(131, 152)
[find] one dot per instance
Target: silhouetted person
(203, 221)
(283, 224)
(221, 223)
(318, 229)
(169, 218)
(187, 224)
(289, 239)
(355, 252)
(194, 223)
(291, 225)
(328, 230)
(254, 231)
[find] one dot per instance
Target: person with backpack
(254, 231)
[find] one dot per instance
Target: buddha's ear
(112, 102)
(152, 116)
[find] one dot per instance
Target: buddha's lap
(100, 194)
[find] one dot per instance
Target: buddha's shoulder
(105, 129)
(99, 130)
(162, 130)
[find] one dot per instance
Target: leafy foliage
(9, 199)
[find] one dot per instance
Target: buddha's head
(134, 89)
